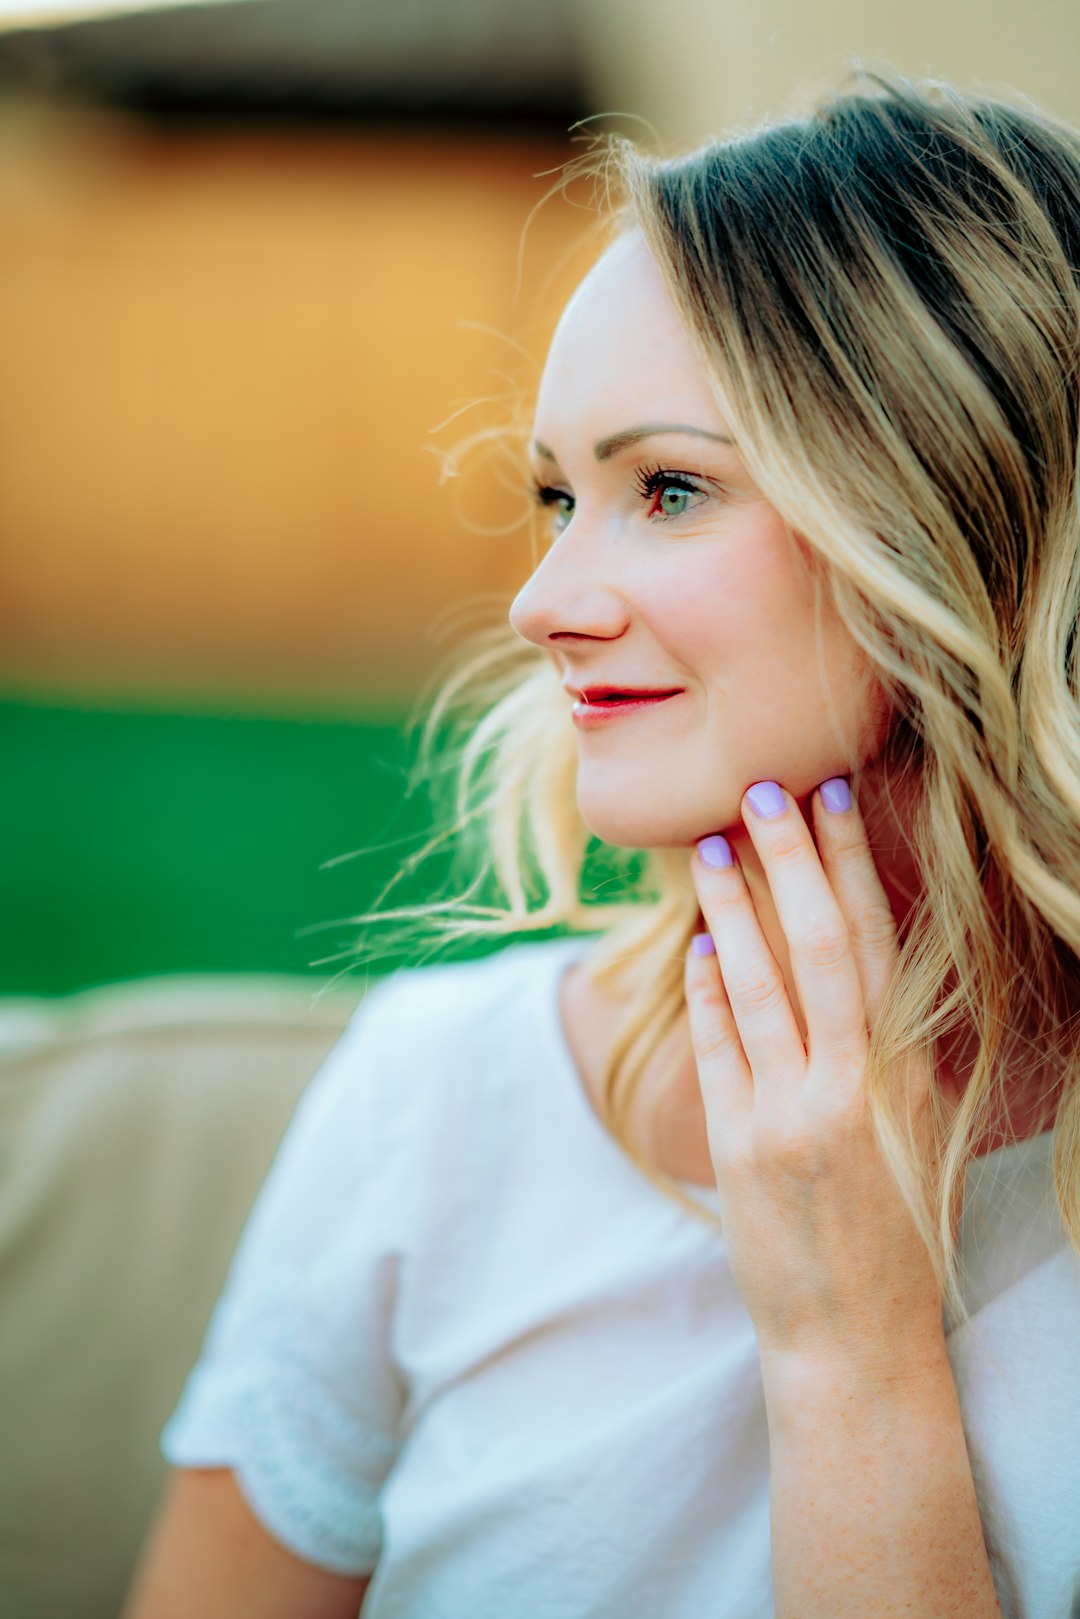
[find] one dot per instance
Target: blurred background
(262, 265)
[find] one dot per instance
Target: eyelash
(648, 481)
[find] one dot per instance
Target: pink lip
(588, 715)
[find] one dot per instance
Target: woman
(725, 1261)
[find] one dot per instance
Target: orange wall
(222, 359)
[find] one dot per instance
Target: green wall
(148, 842)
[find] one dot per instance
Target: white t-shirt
(465, 1343)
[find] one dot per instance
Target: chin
(629, 825)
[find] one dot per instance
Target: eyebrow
(605, 448)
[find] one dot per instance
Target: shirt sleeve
(295, 1389)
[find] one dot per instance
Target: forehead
(621, 351)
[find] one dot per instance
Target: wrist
(802, 1382)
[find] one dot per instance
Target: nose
(566, 596)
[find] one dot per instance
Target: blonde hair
(885, 293)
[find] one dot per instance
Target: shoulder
(424, 1030)
(424, 1007)
(453, 1059)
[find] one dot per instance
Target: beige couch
(136, 1124)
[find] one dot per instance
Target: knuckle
(849, 851)
(713, 1038)
(709, 1001)
(758, 992)
(873, 925)
(727, 897)
(713, 1044)
(790, 849)
(712, 1031)
(823, 944)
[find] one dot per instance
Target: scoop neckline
(567, 953)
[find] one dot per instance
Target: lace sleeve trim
(310, 1469)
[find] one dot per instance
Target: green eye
(670, 494)
(558, 502)
(673, 501)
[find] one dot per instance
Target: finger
(754, 983)
(822, 959)
(723, 1072)
(848, 863)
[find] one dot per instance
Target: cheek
(736, 613)
(738, 619)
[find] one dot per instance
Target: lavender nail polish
(835, 795)
(715, 850)
(767, 799)
(702, 944)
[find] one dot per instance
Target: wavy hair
(886, 295)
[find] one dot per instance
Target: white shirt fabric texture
(466, 1344)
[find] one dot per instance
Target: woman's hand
(821, 1244)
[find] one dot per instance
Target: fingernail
(715, 851)
(835, 795)
(702, 944)
(767, 799)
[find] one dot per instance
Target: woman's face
(668, 569)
